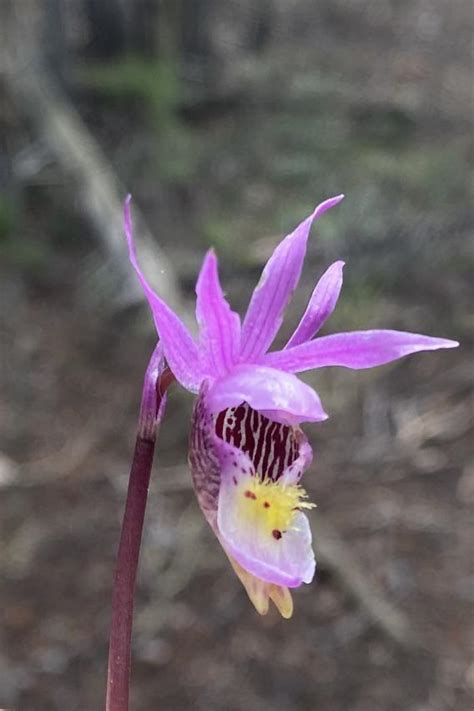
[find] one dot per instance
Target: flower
(247, 450)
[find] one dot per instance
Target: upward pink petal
(321, 305)
(219, 325)
(179, 347)
(356, 349)
(277, 283)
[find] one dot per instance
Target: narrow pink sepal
(179, 347)
(219, 325)
(356, 350)
(320, 306)
(288, 561)
(277, 283)
(152, 404)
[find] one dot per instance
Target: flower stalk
(157, 379)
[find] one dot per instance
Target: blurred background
(229, 120)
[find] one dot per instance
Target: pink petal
(282, 396)
(356, 349)
(219, 326)
(321, 305)
(287, 561)
(277, 283)
(179, 347)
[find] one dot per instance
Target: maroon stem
(118, 679)
(118, 675)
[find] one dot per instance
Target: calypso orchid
(247, 449)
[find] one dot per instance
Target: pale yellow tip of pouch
(282, 600)
(260, 592)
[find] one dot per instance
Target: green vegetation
(151, 81)
(7, 217)
(153, 84)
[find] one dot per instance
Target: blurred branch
(98, 188)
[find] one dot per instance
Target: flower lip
(282, 557)
(276, 450)
(299, 552)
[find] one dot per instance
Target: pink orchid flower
(247, 450)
